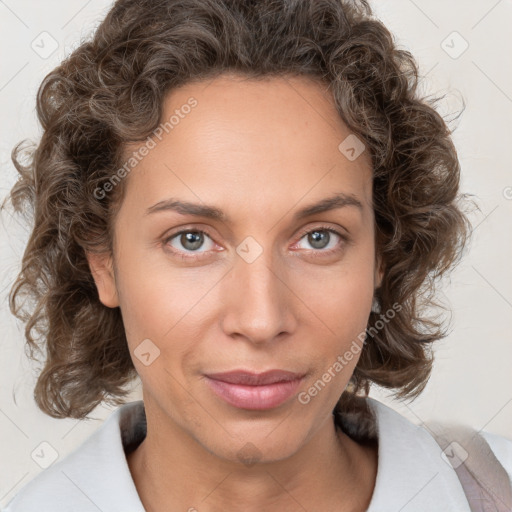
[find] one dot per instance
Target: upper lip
(255, 379)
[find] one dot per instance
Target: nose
(259, 303)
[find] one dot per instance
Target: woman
(241, 203)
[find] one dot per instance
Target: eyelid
(186, 229)
(321, 227)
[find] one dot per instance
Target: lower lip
(254, 397)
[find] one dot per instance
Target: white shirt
(411, 475)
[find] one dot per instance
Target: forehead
(238, 141)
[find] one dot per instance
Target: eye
(322, 241)
(185, 244)
(190, 241)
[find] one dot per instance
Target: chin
(251, 453)
(263, 445)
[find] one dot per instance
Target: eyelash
(316, 253)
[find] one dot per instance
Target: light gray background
(472, 380)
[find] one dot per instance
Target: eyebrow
(339, 200)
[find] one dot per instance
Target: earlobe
(103, 273)
(380, 276)
(379, 273)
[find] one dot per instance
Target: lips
(255, 379)
(256, 391)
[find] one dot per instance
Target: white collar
(411, 474)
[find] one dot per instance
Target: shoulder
(95, 476)
(50, 489)
(412, 473)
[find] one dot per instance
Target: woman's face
(255, 292)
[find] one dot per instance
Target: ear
(102, 271)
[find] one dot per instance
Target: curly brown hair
(109, 92)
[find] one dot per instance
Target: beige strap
(485, 481)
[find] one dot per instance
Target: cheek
(340, 304)
(350, 316)
(156, 297)
(341, 299)
(166, 306)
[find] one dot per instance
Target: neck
(330, 471)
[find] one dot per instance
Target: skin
(258, 150)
